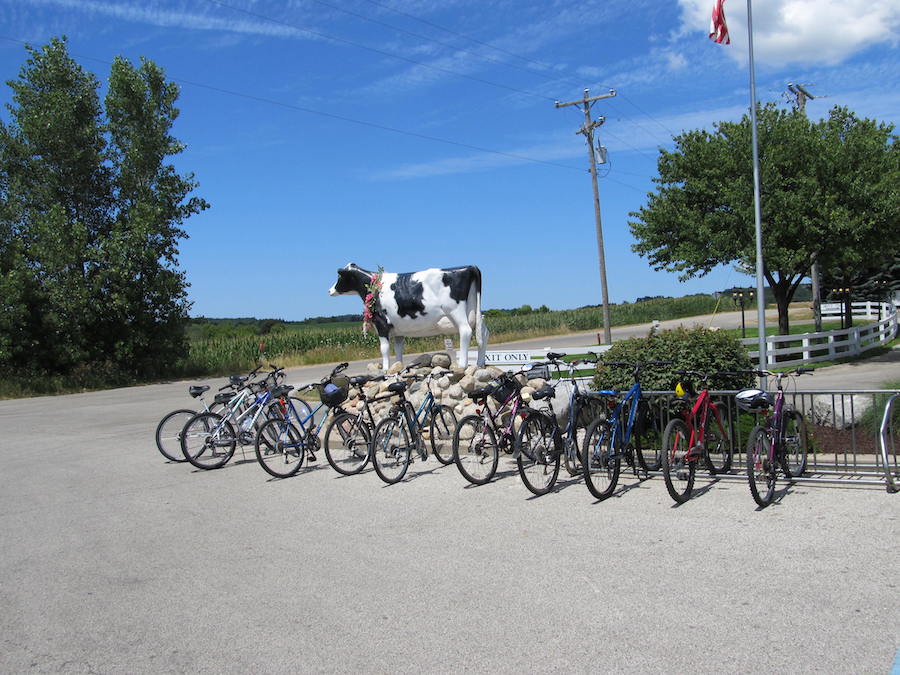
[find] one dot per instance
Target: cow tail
(479, 319)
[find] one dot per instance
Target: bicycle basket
(335, 392)
(504, 387)
(753, 400)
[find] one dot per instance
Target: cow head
(351, 279)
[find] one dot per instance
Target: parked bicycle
(541, 442)
(283, 442)
(631, 431)
(781, 441)
(209, 439)
(698, 434)
(349, 434)
(168, 431)
(403, 430)
(170, 427)
(481, 437)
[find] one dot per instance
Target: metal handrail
(887, 440)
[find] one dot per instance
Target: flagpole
(760, 285)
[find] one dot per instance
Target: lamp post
(843, 297)
(739, 299)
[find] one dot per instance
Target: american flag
(718, 30)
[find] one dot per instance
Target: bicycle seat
(554, 356)
(225, 396)
(397, 387)
(197, 389)
(357, 380)
(481, 393)
(281, 390)
(546, 392)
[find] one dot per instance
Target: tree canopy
(90, 220)
(828, 188)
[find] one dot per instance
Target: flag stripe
(718, 29)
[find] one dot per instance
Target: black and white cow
(417, 304)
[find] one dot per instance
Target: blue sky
(418, 133)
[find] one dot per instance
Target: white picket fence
(790, 350)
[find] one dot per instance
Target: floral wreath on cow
(370, 304)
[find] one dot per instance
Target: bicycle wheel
(795, 444)
(347, 444)
(717, 442)
(601, 459)
(391, 446)
(475, 450)
(761, 466)
(168, 434)
(208, 441)
(678, 471)
(441, 431)
(647, 438)
(538, 453)
(279, 449)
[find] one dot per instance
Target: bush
(699, 349)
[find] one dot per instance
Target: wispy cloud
(170, 16)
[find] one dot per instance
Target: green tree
(702, 213)
(90, 216)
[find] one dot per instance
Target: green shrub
(699, 349)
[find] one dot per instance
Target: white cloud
(800, 31)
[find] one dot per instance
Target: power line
(342, 118)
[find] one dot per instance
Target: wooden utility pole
(588, 131)
(800, 96)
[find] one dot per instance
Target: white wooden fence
(795, 350)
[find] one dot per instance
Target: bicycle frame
(618, 429)
(696, 418)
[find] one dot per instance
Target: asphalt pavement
(117, 561)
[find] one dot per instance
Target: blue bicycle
(540, 443)
(630, 431)
(284, 442)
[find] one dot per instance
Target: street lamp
(739, 298)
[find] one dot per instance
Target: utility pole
(800, 96)
(588, 131)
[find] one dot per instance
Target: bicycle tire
(278, 448)
(601, 465)
(168, 434)
(647, 438)
(677, 470)
(441, 430)
(475, 450)
(208, 441)
(761, 466)
(717, 453)
(391, 446)
(538, 456)
(348, 444)
(795, 444)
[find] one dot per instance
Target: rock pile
(450, 386)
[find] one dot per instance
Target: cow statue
(419, 304)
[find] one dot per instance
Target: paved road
(114, 561)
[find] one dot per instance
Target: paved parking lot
(114, 561)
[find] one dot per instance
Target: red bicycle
(699, 434)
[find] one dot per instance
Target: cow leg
(482, 344)
(398, 348)
(465, 339)
(385, 346)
